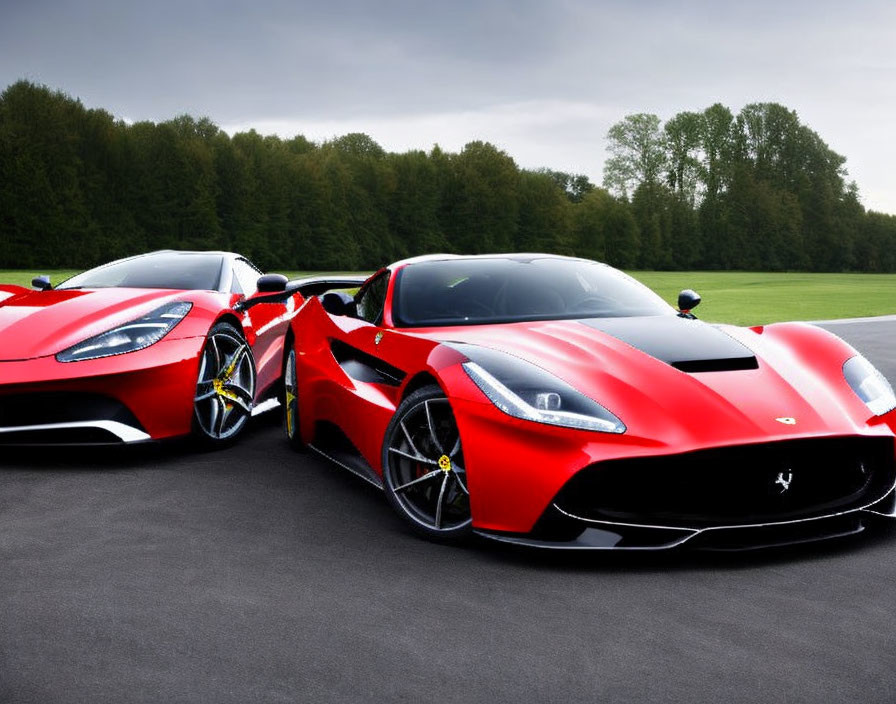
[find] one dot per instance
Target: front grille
(735, 485)
(62, 407)
(17, 410)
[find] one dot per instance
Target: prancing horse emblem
(784, 479)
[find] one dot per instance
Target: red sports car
(557, 402)
(148, 347)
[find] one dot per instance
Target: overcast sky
(542, 80)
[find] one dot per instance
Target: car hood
(42, 323)
(653, 373)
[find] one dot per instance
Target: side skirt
(331, 443)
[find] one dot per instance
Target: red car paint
(157, 383)
(516, 467)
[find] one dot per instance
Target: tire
(225, 387)
(423, 473)
(291, 401)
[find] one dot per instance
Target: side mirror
(41, 283)
(338, 303)
(271, 283)
(687, 301)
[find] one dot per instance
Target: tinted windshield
(163, 270)
(475, 291)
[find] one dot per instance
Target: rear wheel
(291, 401)
(225, 389)
(423, 467)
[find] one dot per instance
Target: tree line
(712, 190)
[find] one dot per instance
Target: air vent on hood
(717, 365)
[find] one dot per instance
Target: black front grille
(17, 410)
(62, 407)
(735, 485)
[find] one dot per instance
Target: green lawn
(742, 298)
(749, 298)
(23, 278)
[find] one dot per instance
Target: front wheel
(423, 467)
(225, 389)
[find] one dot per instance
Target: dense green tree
(414, 200)
(638, 156)
(683, 141)
(717, 147)
(544, 223)
(759, 190)
(480, 208)
(575, 186)
(605, 229)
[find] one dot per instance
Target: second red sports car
(557, 402)
(144, 348)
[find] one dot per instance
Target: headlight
(523, 390)
(870, 385)
(129, 337)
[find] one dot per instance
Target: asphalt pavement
(256, 574)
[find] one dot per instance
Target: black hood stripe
(686, 344)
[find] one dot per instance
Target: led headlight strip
(526, 391)
(130, 337)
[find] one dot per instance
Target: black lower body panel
(730, 498)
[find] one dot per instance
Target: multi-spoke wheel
(225, 390)
(423, 466)
(291, 400)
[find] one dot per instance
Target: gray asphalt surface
(259, 575)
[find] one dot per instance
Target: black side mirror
(41, 283)
(271, 283)
(338, 303)
(687, 301)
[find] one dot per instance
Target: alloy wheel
(424, 469)
(225, 390)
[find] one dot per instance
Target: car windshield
(492, 290)
(163, 270)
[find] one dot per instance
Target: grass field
(749, 298)
(742, 298)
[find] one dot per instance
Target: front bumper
(583, 534)
(134, 397)
(517, 472)
(722, 499)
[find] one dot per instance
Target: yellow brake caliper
(225, 376)
(290, 397)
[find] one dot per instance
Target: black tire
(423, 472)
(225, 387)
(291, 400)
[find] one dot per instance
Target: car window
(372, 299)
(503, 289)
(177, 270)
(245, 277)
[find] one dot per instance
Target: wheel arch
(231, 319)
(418, 381)
(288, 341)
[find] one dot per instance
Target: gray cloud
(313, 66)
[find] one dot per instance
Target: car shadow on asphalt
(90, 457)
(153, 453)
